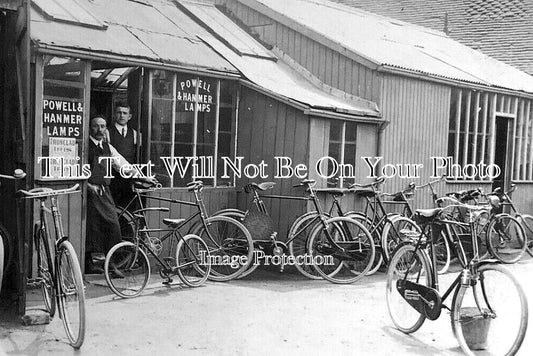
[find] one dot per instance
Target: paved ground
(265, 314)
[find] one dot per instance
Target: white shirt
(116, 163)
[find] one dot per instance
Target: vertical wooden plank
(316, 59)
(322, 62)
(516, 147)
(355, 79)
(458, 124)
(467, 126)
(530, 142)
(486, 109)
(341, 73)
(298, 48)
(476, 127)
(524, 119)
(492, 129)
(328, 64)
(335, 80)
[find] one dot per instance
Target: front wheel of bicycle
(489, 317)
(506, 240)
(527, 225)
(342, 251)
(71, 294)
(126, 270)
(193, 260)
(230, 245)
(298, 236)
(45, 269)
(406, 265)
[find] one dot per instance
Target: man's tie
(123, 132)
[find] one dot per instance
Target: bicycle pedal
(168, 281)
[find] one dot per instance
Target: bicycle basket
(259, 224)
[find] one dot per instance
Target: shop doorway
(502, 149)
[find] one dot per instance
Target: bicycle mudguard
(424, 300)
(490, 261)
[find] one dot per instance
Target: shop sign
(62, 118)
(187, 98)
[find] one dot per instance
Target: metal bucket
(475, 328)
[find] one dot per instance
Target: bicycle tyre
(396, 230)
(193, 251)
(527, 225)
(71, 294)
(404, 265)
(8, 245)
(126, 223)
(298, 245)
(45, 269)
(442, 253)
(347, 266)
(132, 263)
(504, 314)
(227, 240)
(239, 215)
(506, 239)
(367, 222)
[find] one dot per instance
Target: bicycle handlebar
(430, 183)
(308, 182)
(17, 174)
(44, 192)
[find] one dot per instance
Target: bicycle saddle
(173, 222)
(194, 185)
(260, 186)
(364, 192)
(338, 192)
(428, 213)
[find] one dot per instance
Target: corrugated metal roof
(394, 43)
(276, 76)
(154, 30)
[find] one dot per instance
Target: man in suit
(103, 229)
(124, 139)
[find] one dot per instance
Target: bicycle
(127, 268)
(502, 245)
(488, 303)
(267, 247)
(58, 269)
(6, 240)
(226, 238)
(387, 229)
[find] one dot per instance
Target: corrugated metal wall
(329, 66)
(418, 112)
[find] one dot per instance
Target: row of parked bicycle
(327, 242)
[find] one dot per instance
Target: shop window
(191, 116)
(469, 133)
(342, 148)
(60, 118)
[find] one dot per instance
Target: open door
(503, 149)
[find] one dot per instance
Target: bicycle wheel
(126, 223)
(442, 253)
(193, 260)
(342, 251)
(527, 225)
(126, 270)
(376, 236)
(45, 269)
(230, 246)
(490, 317)
(298, 236)
(7, 246)
(406, 265)
(398, 230)
(71, 294)
(506, 239)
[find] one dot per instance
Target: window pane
(335, 130)
(351, 132)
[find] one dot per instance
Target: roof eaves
(394, 69)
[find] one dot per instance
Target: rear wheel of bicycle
(8, 247)
(376, 236)
(442, 253)
(527, 225)
(193, 260)
(45, 269)
(126, 270)
(406, 265)
(506, 239)
(230, 245)
(490, 317)
(71, 294)
(343, 252)
(298, 236)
